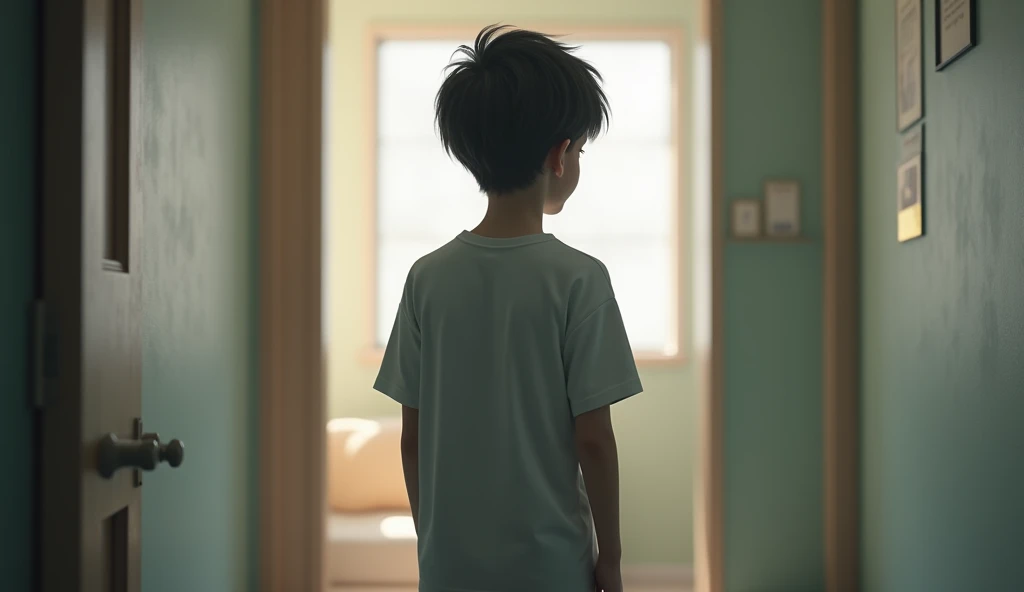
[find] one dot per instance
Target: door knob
(172, 453)
(143, 453)
(114, 453)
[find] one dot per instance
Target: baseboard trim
(658, 575)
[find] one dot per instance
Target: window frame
(681, 138)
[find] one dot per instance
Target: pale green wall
(943, 345)
(657, 430)
(773, 311)
(199, 335)
(17, 257)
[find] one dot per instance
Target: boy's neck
(514, 214)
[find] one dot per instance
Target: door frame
(841, 308)
(709, 506)
(841, 339)
(291, 529)
(292, 396)
(291, 466)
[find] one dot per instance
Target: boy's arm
(411, 459)
(595, 446)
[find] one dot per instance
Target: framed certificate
(909, 92)
(782, 209)
(955, 30)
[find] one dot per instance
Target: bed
(370, 536)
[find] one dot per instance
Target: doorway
(658, 505)
(379, 217)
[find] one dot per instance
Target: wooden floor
(627, 587)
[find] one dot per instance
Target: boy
(508, 347)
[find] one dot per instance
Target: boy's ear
(556, 158)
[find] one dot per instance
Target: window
(626, 210)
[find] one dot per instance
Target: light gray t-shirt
(500, 344)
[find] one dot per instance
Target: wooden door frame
(291, 380)
(292, 397)
(709, 547)
(841, 344)
(292, 401)
(841, 307)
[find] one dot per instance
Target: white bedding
(371, 548)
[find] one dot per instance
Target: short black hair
(509, 99)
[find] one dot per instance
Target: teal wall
(17, 258)
(773, 311)
(199, 335)
(943, 317)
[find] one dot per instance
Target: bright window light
(623, 212)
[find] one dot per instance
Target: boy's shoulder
(563, 259)
(437, 259)
(581, 280)
(590, 284)
(584, 264)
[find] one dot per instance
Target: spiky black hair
(509, 99)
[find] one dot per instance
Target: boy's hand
(608, 576)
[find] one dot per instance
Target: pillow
(364, 465)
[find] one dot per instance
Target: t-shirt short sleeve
(599, 365)
(399, 376)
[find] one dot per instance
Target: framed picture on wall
(909, 215)
(909, 75)
(910, 186)
(782, 209)
(955, 30)
(746, 219)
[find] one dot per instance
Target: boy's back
(500, 343)
(508, 347)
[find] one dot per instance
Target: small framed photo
(910, 186)
(746, 218)
(782, 209)
(909, 200)
(909, 94)
(955, 30)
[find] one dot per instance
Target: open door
(89, 388)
